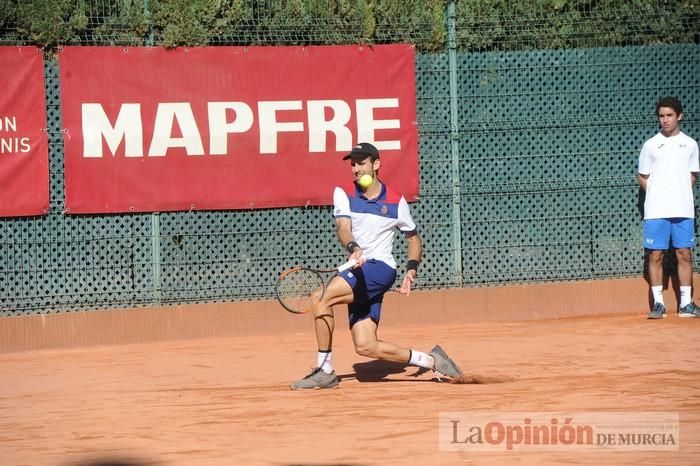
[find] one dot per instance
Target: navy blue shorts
(369, 283)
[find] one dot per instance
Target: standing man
(668, 169)
(367, 214)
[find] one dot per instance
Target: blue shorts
(369, 283)
(658, 232)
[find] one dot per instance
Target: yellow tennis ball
(365, 181)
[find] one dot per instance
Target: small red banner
(150, 129)
(24, 159)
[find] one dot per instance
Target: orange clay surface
(225, 401)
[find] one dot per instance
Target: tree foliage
(551, 24)
(481, 24)
(50, 22)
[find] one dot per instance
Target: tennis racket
(299, 289)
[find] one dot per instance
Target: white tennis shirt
(669, 161)
(374, 221)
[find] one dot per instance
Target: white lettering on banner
(166, 115)
(319, 127)
(128, 126)
(366, 124)
(14, 144)
(8, 124)
(219, 128)
(269, 127)
(96, 126)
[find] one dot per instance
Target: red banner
(150, 129)
(24, 159)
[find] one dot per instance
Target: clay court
(224, 400)
(163, 162)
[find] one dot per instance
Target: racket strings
(300, 289)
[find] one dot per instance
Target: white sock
(685, 295)
(324, 360)
(658, 293)
(421, 359)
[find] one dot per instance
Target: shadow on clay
(116, 461)
(377, 370)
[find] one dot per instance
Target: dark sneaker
(691, 310)
(444, 366)
(316, 379)
(657, 312)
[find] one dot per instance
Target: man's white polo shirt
(374, 221)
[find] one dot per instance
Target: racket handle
(348, 265)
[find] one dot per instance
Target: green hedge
(481, 24)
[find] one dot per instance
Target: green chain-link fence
(527, 158)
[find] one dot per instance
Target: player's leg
(364, 322)
(685, 268)
(364, 337)
(338, 291)
(364, 315)
(657, 233)
(369, 285)
(656, 270)
(683, 239)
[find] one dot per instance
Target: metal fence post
(454, 143)
(155, 256)
(155, 216)
(146, 14)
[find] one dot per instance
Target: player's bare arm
(343, 229)
(415, 253)
(643, 181)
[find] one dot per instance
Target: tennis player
(367, 216)
(668, 169)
